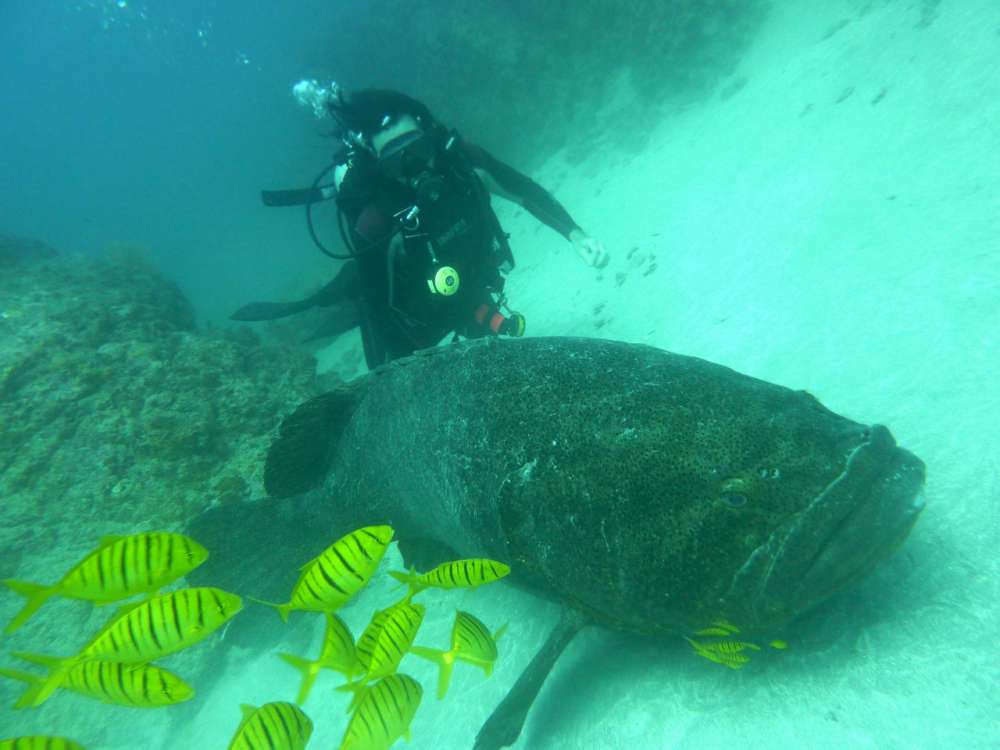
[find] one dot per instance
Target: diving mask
(407, 155)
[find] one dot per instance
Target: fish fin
(247, 710)
(35, 593)
(445, 666)
(125, 608)
(422, 553)
(39, 693)
(309, 670)
(500, 631)
(283, 609)
(29, 697)
(778, 644)
(49, 662)
(357, 689)
(299, 458)
(15, 674)
(504, 725)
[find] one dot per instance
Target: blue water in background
(157, 124)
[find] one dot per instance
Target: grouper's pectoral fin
(424, 554)
(299, 458)
(505, 723)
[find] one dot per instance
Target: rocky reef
(116, 412)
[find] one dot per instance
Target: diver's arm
(505, 181)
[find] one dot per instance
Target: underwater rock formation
(116, 412)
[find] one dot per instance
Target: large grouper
(645, 491)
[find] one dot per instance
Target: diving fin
(298, 196)
(256, 311)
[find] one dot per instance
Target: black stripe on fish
(328, 578)
(346, 564)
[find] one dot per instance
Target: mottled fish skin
(652, 491)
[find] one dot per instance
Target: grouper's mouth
(858, 519)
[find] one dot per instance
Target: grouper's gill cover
(652, 491)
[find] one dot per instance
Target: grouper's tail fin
(300, 457)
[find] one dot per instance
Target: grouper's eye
(734, 492)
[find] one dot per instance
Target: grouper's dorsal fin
(299, 458)
(505, 723)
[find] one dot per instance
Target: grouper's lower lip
(873, 531)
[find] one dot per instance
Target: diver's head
(403, 149)
(397, 129)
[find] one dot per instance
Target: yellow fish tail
(283, 609)
(46, 686)
(445, 661)
(34, 683)
(309, 670)
(411, 579)
(357, 690)
(35, 593)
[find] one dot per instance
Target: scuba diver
(427, 255)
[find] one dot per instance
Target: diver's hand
(592, 251)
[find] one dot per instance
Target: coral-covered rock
(116, 412)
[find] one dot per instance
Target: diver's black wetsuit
(396, 257)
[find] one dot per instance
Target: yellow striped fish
(120, 567)
(337, 653)
(471, 642)
(719, 628)
(384, 714)
(135, 685)
(338, 573)
(452, 575)
(146, 631)
(273, 726)
(37, 742)
(728, 653)
(384, 643)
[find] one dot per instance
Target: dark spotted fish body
(653, 491)
(644, 490)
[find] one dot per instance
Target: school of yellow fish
(115, 666)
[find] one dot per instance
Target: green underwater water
(807, 195)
